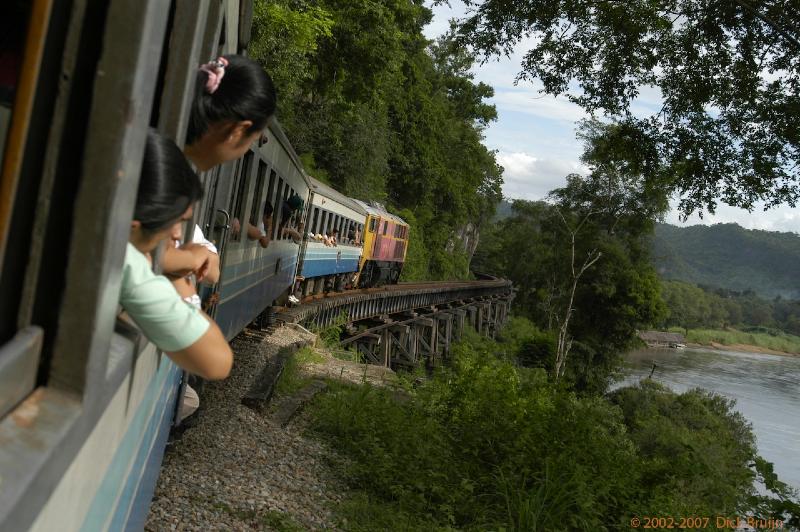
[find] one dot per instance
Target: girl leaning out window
(168, 189)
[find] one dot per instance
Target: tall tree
(727, 72)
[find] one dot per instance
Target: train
(254, 279)
(86, 403)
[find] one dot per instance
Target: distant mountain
(729, 256)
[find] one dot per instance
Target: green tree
(726, 72)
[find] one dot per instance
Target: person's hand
(199, 256)
(236, 226)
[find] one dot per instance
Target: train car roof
(324, 190)
(280, 136)
(376, 209)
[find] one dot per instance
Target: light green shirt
(156, 307)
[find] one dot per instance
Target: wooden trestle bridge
(408, 323)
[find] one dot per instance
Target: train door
(217, 222)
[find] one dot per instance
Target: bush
(487, 445)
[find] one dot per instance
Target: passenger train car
(86, 403)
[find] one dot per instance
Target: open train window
(277, 207)
(255, 208)
(314, 220)
(385, 227)
(372, 223)
(286, 193)
(241, 191)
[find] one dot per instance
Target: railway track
(403, 323)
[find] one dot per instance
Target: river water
(766, 389)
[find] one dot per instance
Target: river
(766, 389)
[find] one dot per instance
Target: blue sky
(535, 136)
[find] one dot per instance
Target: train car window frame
(314, 219)
(277, 207)
(81, 379)
(385, 227)
(256, 208)
(372, 223)
(240, 198)
(286, 195)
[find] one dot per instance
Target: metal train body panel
(328, 209)
(320, 260)
(253, 278)
(102, 411)
(88, 456)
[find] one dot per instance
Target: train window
(372, 223)
(240, 191)
(286, 193)
(314, 220)
(277, 207)
(255, 209)
(385, 227)
(271, 188)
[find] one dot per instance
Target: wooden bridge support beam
(444, 331)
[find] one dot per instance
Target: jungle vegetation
(728, 257)
(522, 434)
(381, 113)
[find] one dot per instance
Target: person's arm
(253, 233)
(212, 275)
(184, 260)
(210, 357)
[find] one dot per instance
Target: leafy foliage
(596, 226)
(487, 445)
(382, 114)
(726, 72)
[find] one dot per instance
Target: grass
(291, 380)
(775, 340)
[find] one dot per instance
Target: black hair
(245, 92)
(268, 209)
(167, 186)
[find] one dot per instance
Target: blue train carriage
(254, 278)
(385, 246)
(85, 402)
(325, 268)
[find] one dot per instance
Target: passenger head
(234, 99)
(168, 187)
(268, 210)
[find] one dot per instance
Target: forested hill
(729, 256)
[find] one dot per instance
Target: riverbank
(751, 342)
(745, 348)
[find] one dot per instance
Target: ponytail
(245, 93)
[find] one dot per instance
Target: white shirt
(199, 238)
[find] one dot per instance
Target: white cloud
(530, 177)
(529, 101)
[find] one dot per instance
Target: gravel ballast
(235, 469)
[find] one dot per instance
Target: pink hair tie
(215, 71)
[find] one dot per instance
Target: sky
(534, 136)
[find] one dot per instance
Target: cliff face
(465, 240)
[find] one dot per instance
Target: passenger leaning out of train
(263, 231)
(234, 100)
(291, 223)
(168, 189)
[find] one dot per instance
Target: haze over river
(766, 389)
